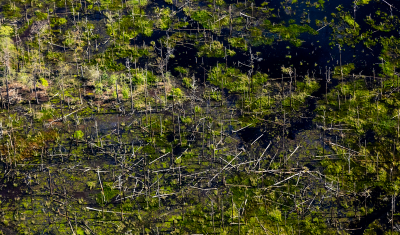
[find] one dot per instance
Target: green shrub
(181, 70)
(198, 109)
(6, 30)
(275, 215)
(11, 11)
(238, 43)
(346, 69)
(186, 120)
(40, 15)
(44, 82)
(91, 184)
(214, 49)
(187, 82)
(177, 93)
(78, 134)
(125, 92)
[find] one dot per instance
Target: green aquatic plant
(238, 43)
(187, 82)
(11, 10)
(6, 31)
(78, 134)
(343, 70)
(214, 49)
(91, 184)
(289, 33)
(44, 82)
(40, 15)
(164, 20)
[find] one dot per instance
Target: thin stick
(262, 154)
(159, 158)
(292, 153)
(225, 166)
(243, 128)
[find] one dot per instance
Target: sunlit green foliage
(11, 10)
(40, 15)
(238, 43)
(44, 82)
(214, 49)
(208, 20)
(345, 70)
(164, 20)
(304, 90)
(6, 31)
(289, 33)
(78, 134)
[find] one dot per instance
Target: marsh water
(196, 156)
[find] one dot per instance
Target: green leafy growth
(181, 70)
(203, 17)
(275, 215)
(346, 69)
(363, 2)
(238, 43)
(78, 134)
(128, 27)
(350, 21)
(257, 38)
(178, 94)
(6, 31)
(125, 92)
(109, 193)
(390, 55)
(304, 90)
(11, 11)
(164, 20)
(198, 109)
(44, 82)
(58, 21)
(207, 20)
(214, 49)
(187, 82)
(289, 33)
(135, 3)
(40, 15)
(234, 80)
(54, 56)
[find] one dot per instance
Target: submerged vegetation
(199, 117)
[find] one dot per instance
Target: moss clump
(206, 19)
(11, 11)
(58, 21)
(238, 43)
(289, 33)
(164, 20)
(234, 80)
(214, 49)
(78, 134)
(346, 69)
(44, 82)
(187, 82)
(40, 15)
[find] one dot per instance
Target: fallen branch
(288, 178)
(66, 116)
(323, 27)
(292, 153)
(257, 139)
(225, 166)
(262, 154)
(242, 128)
(159, 158)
